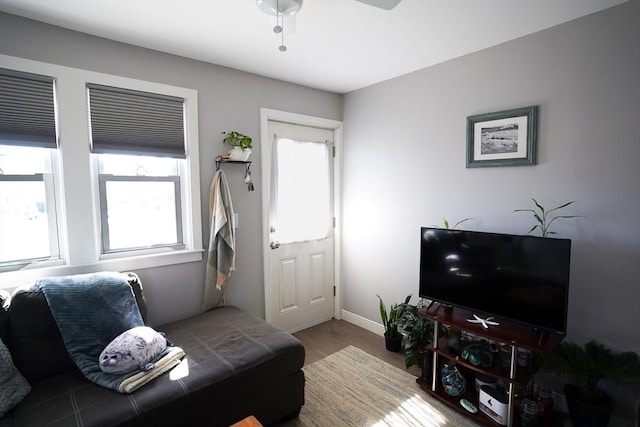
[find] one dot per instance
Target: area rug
(354, 388)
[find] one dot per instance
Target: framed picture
(503, 138)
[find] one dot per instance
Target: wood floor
(334, 335)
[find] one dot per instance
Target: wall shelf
(247, 169)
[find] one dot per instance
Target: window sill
(26, 276)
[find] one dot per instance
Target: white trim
(78, 221)
(363, 322)
(267, 114)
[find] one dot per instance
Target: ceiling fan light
(279, 7)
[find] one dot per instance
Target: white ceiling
(338, 45)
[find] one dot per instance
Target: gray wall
(585, 76)
(228, 100)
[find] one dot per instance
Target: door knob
(274, 245)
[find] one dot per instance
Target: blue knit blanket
(91, 310)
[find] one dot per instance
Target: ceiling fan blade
(382, 4)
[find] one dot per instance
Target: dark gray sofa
(237, 365)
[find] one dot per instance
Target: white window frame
(77, 192)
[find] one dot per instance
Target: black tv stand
(513, 336)
(430, 304)
(543, 336)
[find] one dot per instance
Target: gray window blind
(27, 111)
(131, 122)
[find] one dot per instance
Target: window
(27, 207)
(139, 202)
(120, 189)
(302, 183)
(28, 223)
(140, 195)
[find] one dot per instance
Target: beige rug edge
(354, 388)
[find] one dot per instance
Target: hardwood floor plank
(332, 336)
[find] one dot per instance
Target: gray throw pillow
(13, 386)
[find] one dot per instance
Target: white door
(300, 225)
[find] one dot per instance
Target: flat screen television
(524, 279)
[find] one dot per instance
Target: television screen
(524, 279)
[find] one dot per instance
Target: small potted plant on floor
(240, 144)
(417, 330)
(392, 338)
(584, 367)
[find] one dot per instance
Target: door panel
(301, 273)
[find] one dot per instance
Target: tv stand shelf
(514, 335)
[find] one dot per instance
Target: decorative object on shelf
(484, 322)
(503, 138)
(505, 355)
(528, 413)
(494, 403)
(544, 402)
(453, 381)
(454, 338)
(524, 357)
(482, 379)
(584, 366)
(543, 218)
(478, 354)
(392, 338)
(468, 406)
(417, 332)
(240, 144)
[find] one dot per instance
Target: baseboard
(363, 322)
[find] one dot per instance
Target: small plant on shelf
(236, 139)
(240, 146)
(543, 217)
(445, 222)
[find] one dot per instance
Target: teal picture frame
(503, 138)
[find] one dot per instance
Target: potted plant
(584, 367)
(417, 330)
(392, 338)
(240, 144)
(543, 217)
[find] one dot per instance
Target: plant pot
(584, 414)
(393, 343)
(237, 153)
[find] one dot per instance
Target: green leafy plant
(390, 319)
(446, 223)
(236, 139)
(418, 331)
(584, 366)
(544, 218)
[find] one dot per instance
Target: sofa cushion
(231, 359)
(13, 386)
(33, 336)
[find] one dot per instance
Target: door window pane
(302, 183)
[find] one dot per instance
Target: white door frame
(266, 115)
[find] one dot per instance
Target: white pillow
(132, 350)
